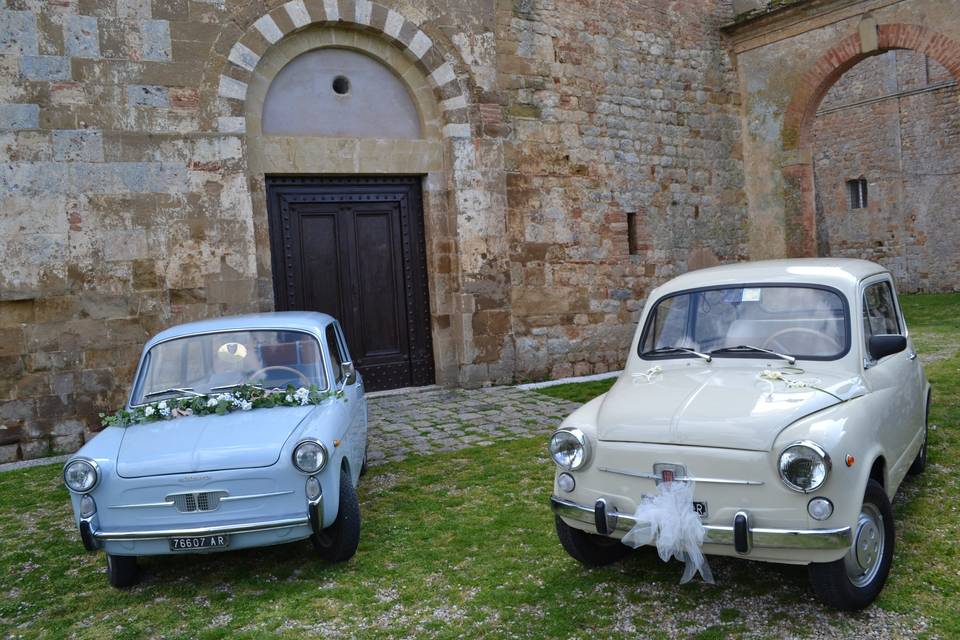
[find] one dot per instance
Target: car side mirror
(349, 372)
(881, 346)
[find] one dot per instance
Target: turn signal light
(850, 460)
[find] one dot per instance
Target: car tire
(920, 462)
(339, 541)
(122, 571)
(855, 580)
(587, 548)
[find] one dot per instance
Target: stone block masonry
(577, 154)
(893, 120)
(615, 110)
(118, 212)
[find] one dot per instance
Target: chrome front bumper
(740, 534)
(91, 535)
(156, 534)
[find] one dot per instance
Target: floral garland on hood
(243, 398)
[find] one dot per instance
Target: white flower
(164, 411)
(212, 402)
(162, 405)
(246, 405)
(303, 396)
(289, 398)
(149, 410)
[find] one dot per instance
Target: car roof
(310, 321)
(840, 273)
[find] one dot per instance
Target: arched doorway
(886, 164)
(449, 161)
(798, 135)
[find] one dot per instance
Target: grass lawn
(462, 544)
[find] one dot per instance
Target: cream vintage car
(787, 393)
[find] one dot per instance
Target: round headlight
(81, 475)
(804, 466)
(570, 448)
(309, 456)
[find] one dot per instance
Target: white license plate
(192, 543)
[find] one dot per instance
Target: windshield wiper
(180, 390)
(223, 387)
(662, 350)
(747, 347)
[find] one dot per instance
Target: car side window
(336, 355)
(879, 311)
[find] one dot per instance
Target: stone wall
(122, 213)
(893, 119)
(788, 55)
(618, 110)
(131, 195)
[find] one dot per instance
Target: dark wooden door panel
(318, 235)
(380, 280)
(354, 248)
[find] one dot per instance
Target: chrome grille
(198, 501)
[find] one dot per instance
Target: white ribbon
(668, 520)
(648, 374)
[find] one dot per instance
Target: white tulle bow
(668, 520)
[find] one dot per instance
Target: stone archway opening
(885, 144)
(801, 197)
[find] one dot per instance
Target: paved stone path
(435, 420)
(425, 422)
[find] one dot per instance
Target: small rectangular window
(633, 242)
(857, 190)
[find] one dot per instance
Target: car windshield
(794, 322)
(216, 362)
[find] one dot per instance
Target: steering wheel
(773, 342)
(259, 372)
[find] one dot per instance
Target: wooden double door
(354, 248)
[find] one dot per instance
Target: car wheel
(122, 571)
(339, 541)
(920, 462)
(587, 548)
(855, 580)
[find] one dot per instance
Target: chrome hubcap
(864, 558)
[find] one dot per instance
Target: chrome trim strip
(143, 505)
(244, 527)
(763, 537)
(252, 496)
(653, 476)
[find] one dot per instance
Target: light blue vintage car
(239, 432)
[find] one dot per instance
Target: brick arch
(797, 132)
(245, 52)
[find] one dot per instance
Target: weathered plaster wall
(617, 109)
(787, 54)
(893, 119)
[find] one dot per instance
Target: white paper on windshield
(750, 295)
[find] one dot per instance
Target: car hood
(721, 404)
(238, 440)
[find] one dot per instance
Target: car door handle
(913, 355)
